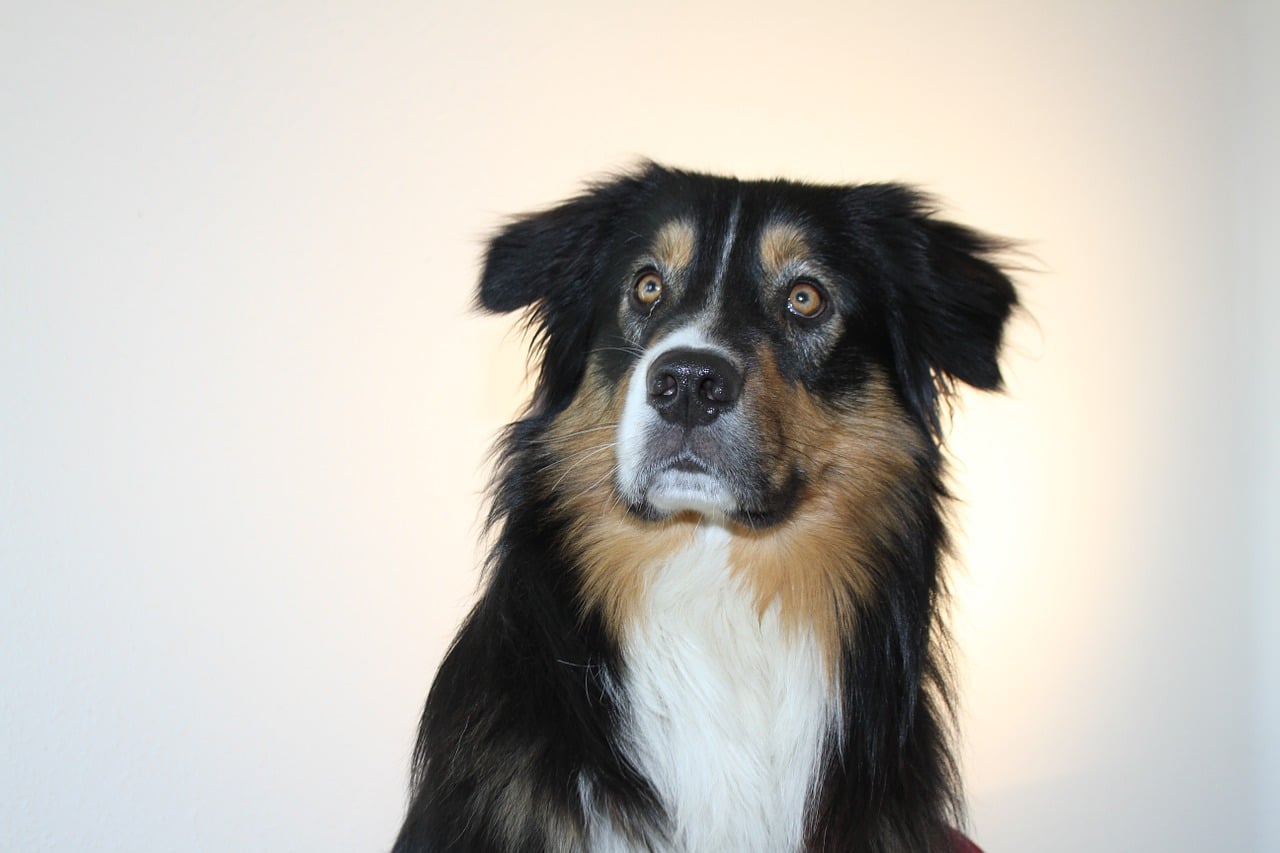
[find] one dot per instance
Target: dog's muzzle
(682, 442)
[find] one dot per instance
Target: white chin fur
(682, 491)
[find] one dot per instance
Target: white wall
(244, 408)
(1257, 178)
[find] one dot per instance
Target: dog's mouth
(690, 464)
(688, 483)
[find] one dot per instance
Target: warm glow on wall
(246, 405)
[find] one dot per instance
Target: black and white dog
(711, 620)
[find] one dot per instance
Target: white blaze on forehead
(722, 265)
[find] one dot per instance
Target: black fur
(521, 698)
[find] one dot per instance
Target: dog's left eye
(648, 288)
(805, 300)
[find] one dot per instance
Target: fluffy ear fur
(948, 301)
(550, 260)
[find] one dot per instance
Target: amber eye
(648, 288)
(805, 300)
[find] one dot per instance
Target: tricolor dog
(711, 618)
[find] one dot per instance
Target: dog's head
(741, 343)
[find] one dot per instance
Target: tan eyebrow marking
(782, 243)
(674, 244)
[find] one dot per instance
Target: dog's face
(731, 323)
(767, 355)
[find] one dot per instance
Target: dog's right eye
(805, 300)
(647, 289)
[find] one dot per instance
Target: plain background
(244, 405)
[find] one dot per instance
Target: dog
(712, 615)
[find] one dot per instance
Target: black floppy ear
(948, 301)
(550, 260)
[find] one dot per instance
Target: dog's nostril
(693, 387)
(664, 385)
(715, 389)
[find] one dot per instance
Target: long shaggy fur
(818, 483)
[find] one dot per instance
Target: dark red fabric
(960, 844)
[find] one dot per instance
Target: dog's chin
(676, 491)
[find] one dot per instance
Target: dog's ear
(549, 262)
(947, 298)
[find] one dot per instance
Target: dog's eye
(805, 300)
(648, 288)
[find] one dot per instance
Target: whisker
(612, 470)
(575, 457)
(629, 350)
(558, 438)
(582, 458)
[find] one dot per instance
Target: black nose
(690, 387)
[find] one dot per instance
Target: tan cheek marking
(615, 551)
(861, 465)
(781, 244)
(674, 244)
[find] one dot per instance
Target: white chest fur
(728, 710)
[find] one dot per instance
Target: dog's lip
(687, 462)
(760, 513)
(684, 481)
